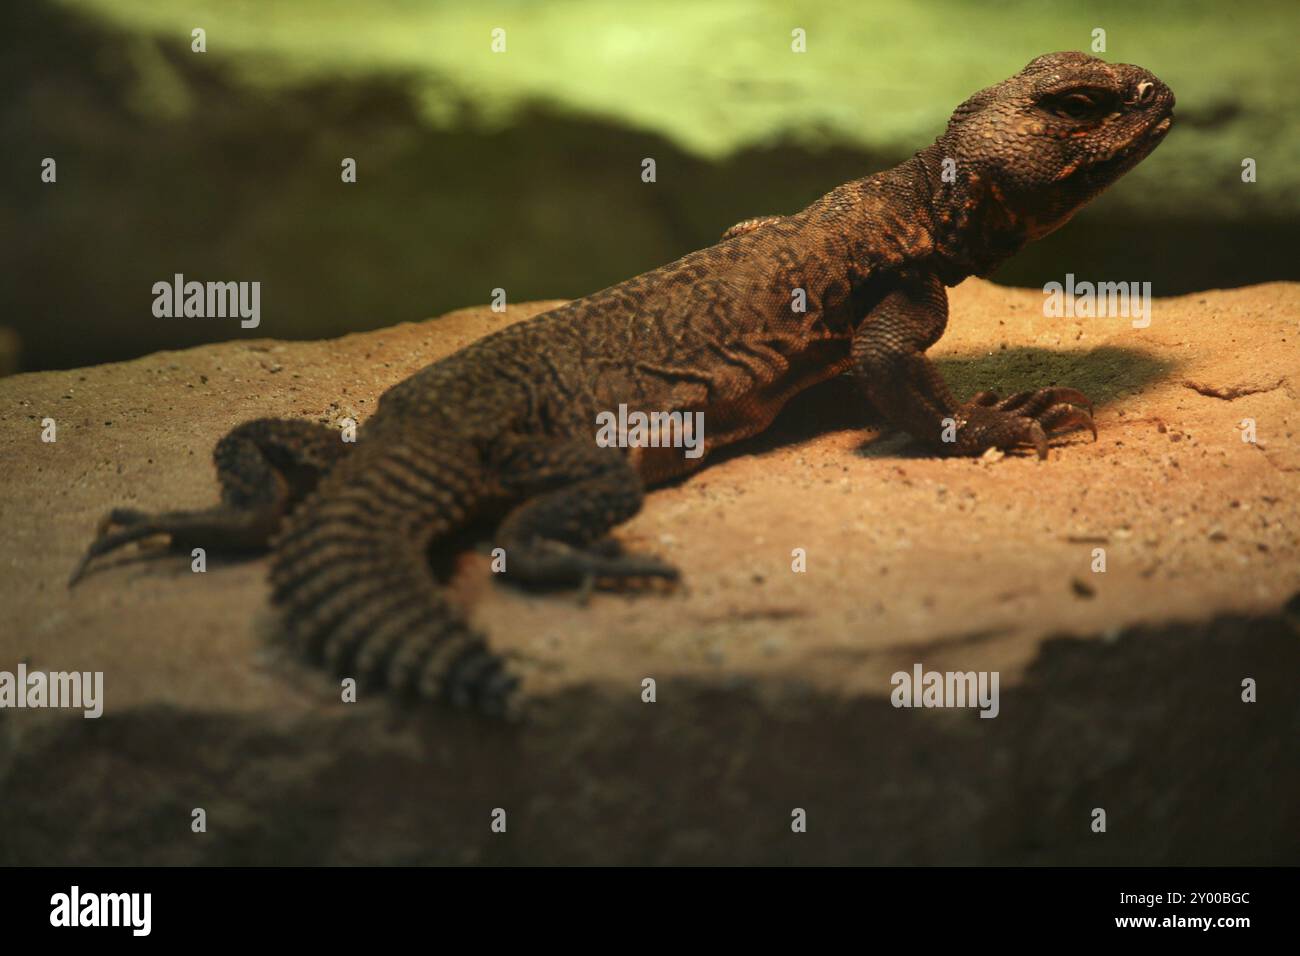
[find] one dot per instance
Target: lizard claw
(217, 527)
(1032, 402)
(1025, 418)
(134, 525)
(1061, 418)
(1038, 437)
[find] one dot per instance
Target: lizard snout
(1150, 93)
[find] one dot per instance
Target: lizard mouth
(1136, 149)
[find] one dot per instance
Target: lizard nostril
(1146, 92)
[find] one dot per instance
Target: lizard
(508, 421)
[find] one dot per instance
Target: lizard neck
(975, 231)
(883, 223)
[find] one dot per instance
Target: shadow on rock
(1148, 724)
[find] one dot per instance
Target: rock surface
(772, 686)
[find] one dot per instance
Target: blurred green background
(522, 169)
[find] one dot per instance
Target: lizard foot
(119, 527)
(218, 527)
(1026, 418)
(550, 563)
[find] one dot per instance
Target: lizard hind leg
(265, 467)
(573, 494)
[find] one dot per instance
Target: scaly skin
(511, 418)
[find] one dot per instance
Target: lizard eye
(1077, 105)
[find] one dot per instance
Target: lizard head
(1043, 143)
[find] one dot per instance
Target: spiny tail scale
(350, 573)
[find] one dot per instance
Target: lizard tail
(352, 577)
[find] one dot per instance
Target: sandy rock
(772, 686)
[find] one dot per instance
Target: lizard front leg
(889, 360)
